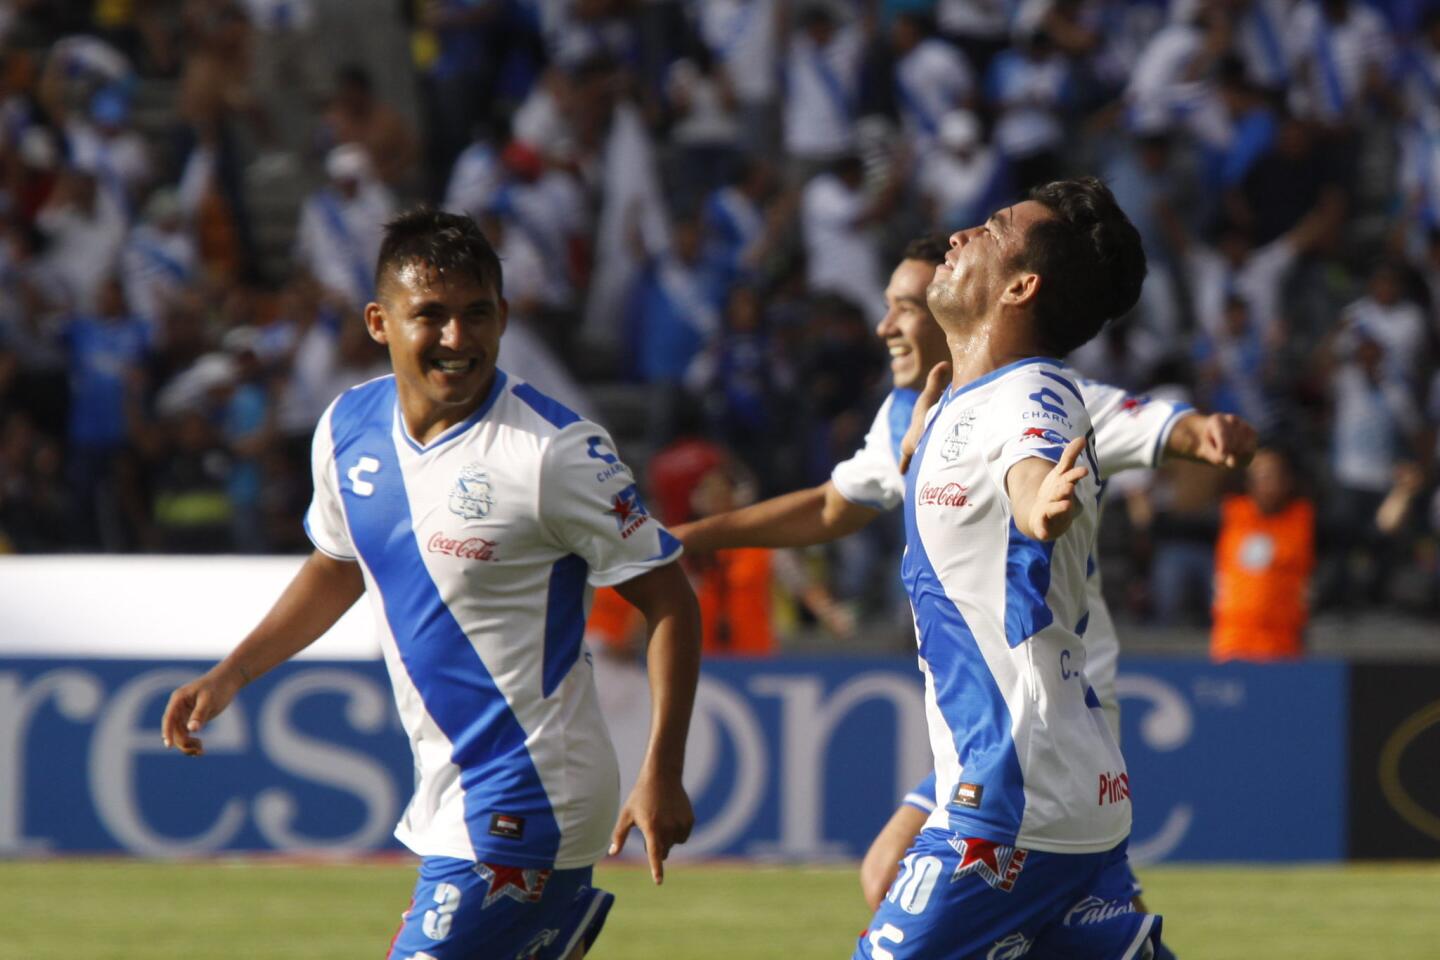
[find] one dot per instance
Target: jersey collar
(459, 428)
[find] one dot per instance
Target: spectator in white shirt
(85, 229)
(341, 225)
(981, 28)
(1029, 86)
(1394, 322)
(961, 178)
(1341, 52)
(822, 71)
(159, 264)
(1375, 424)
(706, 133)
(742, 37)
(841, 252)
(932, 78)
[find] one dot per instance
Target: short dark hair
(930, 248)
(1089, 258)
(442, 241)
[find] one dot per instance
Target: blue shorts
(462, 909)
(958, 899)
(922, 798)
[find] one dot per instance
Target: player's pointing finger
(1070, 454)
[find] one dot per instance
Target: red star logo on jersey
(1132, 405)
(622, 509)
(628, 511)
(524, 884)
(996, 864)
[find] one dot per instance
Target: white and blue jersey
(1023, 755)
(479, 552)
(1130, 433)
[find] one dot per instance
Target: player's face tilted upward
(443, 333)
(977, 271)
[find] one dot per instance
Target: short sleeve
(591, 506)
(1034, 413)
(325, 519)
(1130, 429)
(872, 476)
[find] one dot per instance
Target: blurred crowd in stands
(698, 203)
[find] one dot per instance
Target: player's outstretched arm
(800, 519)
(1042, 494)
(321, 592)
(1222, 439)
(658, 806)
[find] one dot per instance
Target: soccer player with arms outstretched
(1131, 432)
(478, 513)
(1025, 852)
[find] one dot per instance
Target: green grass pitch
(218, 910)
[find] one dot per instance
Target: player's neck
(987, 348)
(425, 419)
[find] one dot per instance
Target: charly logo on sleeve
(473, 496)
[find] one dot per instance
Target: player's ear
(375, 322)
(504, 315)
(1021, 290)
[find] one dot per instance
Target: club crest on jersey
(628, 511)
(524, 884)
(958, 437)
(1133, 404)
(473, 496)
(996, 864)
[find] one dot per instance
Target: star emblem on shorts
(996, 864)
(524, 884)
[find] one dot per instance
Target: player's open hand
(1227, 441)
(934, 386)
(659, 808)
(1056, 506)
(194, 705)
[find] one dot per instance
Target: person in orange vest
(1263, 561)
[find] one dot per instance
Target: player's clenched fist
(194, 705)
(1055, 505)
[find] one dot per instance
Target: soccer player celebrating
(1025, 851)
(478, 513)
(1130, 432)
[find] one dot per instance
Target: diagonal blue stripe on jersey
(564, 620)
(902, 405)
(559, 415)
(669, 546)
(1064, 382)
(1027, 581)
(969, 699)
(497, 774)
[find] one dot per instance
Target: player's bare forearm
(800, 519)
(1042, 494)
(1220, 439)
(672, 618)
(658, 805)
(320, 593)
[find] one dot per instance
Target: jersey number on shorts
(437, 922)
